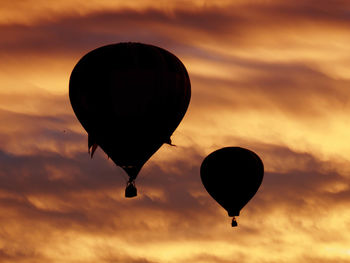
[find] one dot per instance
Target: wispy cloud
(270, 76)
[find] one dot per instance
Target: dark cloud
(28, 133)
(83, 186)
(20, 255)
(75, 193)
(297, 177)
(312, 10)
(72, 34)
(293, 88)
(50, 187)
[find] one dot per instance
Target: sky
(272, 76)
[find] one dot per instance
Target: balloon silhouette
(232, 176)
(129, 97)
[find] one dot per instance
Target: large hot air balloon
(129, 97)
(232, 176)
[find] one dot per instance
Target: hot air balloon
(232, 176)
(129, 97)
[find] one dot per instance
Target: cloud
(258, 70)
(300, 88)
(76, 196)
(292, 88)
(231, 24)
(8, 255)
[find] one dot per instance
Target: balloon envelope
(129, 97)
(232, 176)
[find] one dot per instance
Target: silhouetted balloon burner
(232, 176)
(130, 98)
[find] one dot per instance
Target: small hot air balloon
(232, 176)
(129, 97)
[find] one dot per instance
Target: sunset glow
(271, 76)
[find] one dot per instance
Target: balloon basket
(130, 190)
(234, 222)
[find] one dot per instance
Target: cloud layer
(270, 76)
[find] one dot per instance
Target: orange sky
(271, 76)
